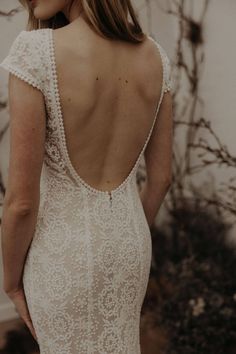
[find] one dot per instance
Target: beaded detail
(166, 86)
(87, 268)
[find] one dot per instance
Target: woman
(85, 89)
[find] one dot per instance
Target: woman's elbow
(162, 180)
(166, 179)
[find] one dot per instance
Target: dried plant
(9, 14)
(192, 287)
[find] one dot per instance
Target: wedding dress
(87, 269)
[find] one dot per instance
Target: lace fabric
(25, 58)
(87, 269)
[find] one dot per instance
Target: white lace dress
(88, 265)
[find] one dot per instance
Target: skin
(101, 67)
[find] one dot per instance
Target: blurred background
(190, 304)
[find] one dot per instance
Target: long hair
(109, 18)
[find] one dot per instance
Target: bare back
(109, 91)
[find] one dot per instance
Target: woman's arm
(18, 225)
(158, 158)
(21, 202)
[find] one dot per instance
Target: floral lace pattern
(87, 269)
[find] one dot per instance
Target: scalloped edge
(19, 74)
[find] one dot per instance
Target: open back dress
(87, 268)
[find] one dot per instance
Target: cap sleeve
(24, 59)
(168, 84)
(167, 77)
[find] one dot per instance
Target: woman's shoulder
(158, 46)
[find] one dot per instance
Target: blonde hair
(109, 18)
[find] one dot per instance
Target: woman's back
(109, 91)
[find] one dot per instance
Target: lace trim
(62, 130)
(166, 66)
(20, 74)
